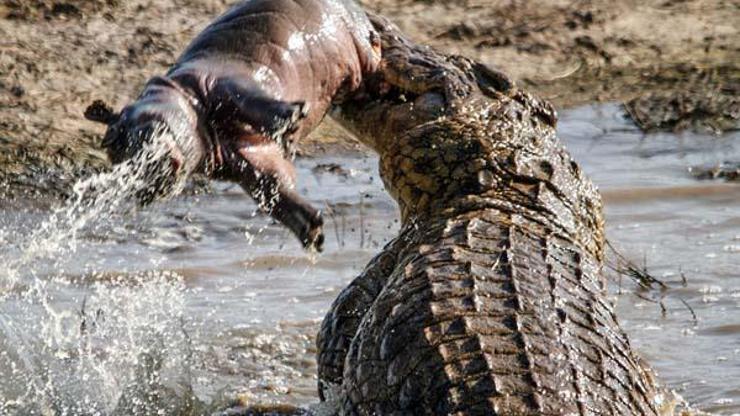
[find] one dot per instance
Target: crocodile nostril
(486, 179)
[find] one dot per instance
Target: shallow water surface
(214, 299)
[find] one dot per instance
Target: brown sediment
(54, 61)
(31, 10)
(709, 101)
(576, 52)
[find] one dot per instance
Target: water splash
(94, 200)
(125, 351)
(119, 346)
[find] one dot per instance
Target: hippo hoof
(313, 237)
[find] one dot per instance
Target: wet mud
(57, 57)
(708, 101)
(31, 10)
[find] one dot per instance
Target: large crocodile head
(455, 135)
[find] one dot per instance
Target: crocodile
(491, 300)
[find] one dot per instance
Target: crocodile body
(491, 301)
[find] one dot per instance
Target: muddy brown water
(202, 295)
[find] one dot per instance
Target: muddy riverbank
(56, 57)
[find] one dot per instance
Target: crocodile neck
(451, 166)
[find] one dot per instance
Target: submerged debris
(646, 282)
(623, 266)
(678, 111)
(264, 410)
(727, 171)
(333, 168)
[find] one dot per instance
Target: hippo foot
(301, 218)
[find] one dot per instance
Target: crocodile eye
(547, 169)
(486, 179)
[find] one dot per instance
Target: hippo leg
(270, 179)
(276, 120)
(258, 128)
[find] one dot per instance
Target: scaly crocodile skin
(492, 300)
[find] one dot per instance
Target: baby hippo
(259, 78)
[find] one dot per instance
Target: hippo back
(297, 50)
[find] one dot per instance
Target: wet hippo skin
(256, 80)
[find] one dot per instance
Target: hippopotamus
(255, 81)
